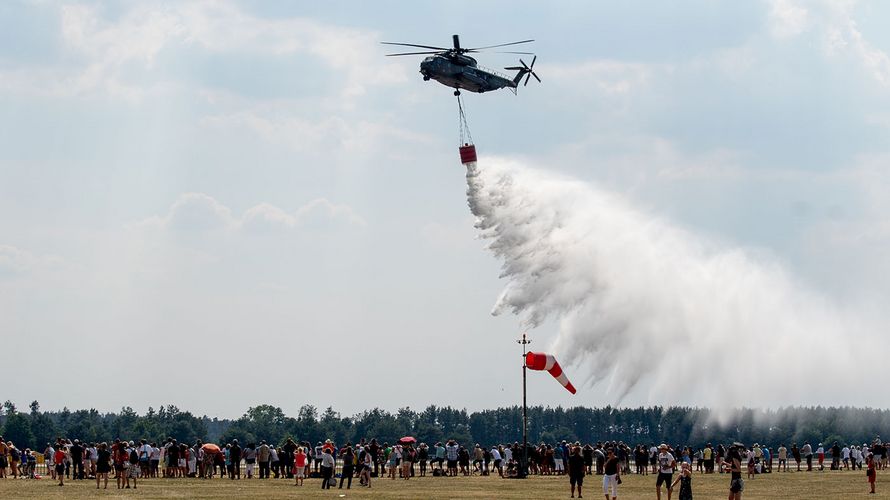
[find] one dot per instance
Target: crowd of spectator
(290, 459)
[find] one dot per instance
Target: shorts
(182, 462)
(3, 463)
(579, 480)
(300, 472)
(664, 477)
(736, 486)
(60, 469)
(452, 464)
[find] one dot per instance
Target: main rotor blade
(500, 45)
(414, 53)
(415, 45)
(511, 52)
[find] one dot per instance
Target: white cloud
(609, 76)
(15, 261)
(201, 213)
(788, 18)
(119, 57)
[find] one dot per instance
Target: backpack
(134, 457)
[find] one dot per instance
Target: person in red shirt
(299, 466)
(59, 460)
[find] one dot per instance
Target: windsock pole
(523, 467)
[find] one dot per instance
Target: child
(299, 466)
(59, 460)
(685, 481)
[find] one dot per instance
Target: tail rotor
(525, 70)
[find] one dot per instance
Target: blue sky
(256, 186)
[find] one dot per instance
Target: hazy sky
(222, 204)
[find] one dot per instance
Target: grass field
(786, 486)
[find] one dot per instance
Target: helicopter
(453, 68)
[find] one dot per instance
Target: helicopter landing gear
(457, 93)
(426, 78)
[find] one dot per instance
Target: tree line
(675, 425)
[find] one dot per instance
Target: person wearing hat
(666, 464)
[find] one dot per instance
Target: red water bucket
(468, 153)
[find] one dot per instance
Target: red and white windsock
(541, 361)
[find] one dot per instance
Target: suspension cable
(465, 136)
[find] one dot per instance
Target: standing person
(121, 459)
(103, 465)
(154, 460)
(4, 458)
(144, 451)
(263, 456)
(408, 455)
(348, 457)
(783, 457)
(708, 456)
(250, 459)
(287, 457)
(133, 463)
(611, 475)
(327, 468)
(835, 456)
(807, 452)
(685, 482)
(871, 472)
(59, 460)
(367, 460)
(498, 463)
(820, 455)
(845, 454)
(76, 452)
(666, 464)
(576, 471)
(795, 453)
(319, 455)
(423, 454)
(300, 461)
(451, 453)
(275, 461)
(48, 459)
(235, 459)
(440, 457)
(736, 484)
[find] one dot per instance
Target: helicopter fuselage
(461, 72)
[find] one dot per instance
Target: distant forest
(675, 425)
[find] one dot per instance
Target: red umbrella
(210, 448)
(407, 440)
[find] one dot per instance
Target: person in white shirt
(845, 456)
(496, 458)
(154, 459)
(666, 463)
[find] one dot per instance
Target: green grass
(785, 486)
